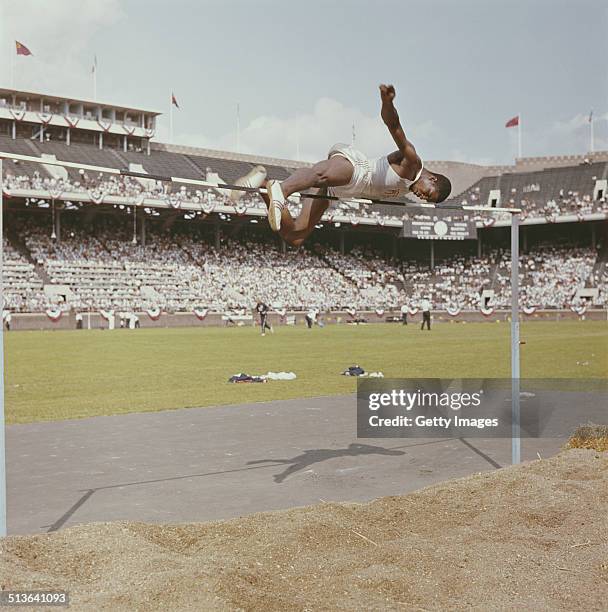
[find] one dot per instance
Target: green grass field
(73, 374)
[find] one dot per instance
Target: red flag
(512, 122)
(174, 100)
(22, 49)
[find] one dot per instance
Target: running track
(203, 464)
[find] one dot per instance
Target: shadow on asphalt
(311, 457)
(295, 464)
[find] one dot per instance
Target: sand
(533, 536)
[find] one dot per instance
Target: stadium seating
(99, 267)
(570, 188)
(22, 286)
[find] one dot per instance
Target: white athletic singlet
(372, 179)
(385, 182)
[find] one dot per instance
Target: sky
(303, 72)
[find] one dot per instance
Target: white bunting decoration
(173, 199)
(200, 313)
(45, 118)
(71, 121)
(56, 188)
(240, 208)
(104, 124)
(140, 198)
(154, 313)
(17, 114)
(97, 195)
(486, 311)
(54, 314)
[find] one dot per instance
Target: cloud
(573, 135)
(58, 33)
(311, 134)
(574, 124)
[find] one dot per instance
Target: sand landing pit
(532, 536)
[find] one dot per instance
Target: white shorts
(360, 182)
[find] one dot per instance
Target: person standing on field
(425, 306)
(263, 309)
(404, 309)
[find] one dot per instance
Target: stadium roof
(37, 95)
(228, 155)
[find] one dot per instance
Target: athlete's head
(432, 187)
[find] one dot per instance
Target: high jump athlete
(348, 173)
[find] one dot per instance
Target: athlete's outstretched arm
(391, 120)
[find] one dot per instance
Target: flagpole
(171, 120)
(591, 143)
(12, 66)
(3, 531)
(238, 128)
(95, 79)
(297, 137)
(519, 136)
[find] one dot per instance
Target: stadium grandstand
(77, 241)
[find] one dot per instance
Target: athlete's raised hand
(387, 93)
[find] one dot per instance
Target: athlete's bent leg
(295, 231)
(333, 172)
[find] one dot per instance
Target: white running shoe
(254, 178)
(277, 204)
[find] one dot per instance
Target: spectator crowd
(102, 267)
